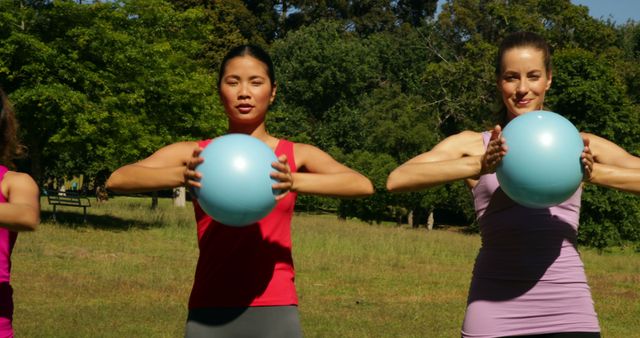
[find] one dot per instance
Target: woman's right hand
(191, 176)
(496, 150)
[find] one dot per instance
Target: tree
(561, 22)
(628, 65)
(108, 85)
(324, 70)
(375, 208)
(587, 90)
(218, 26)
(363, 17)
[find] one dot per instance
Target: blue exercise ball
(543, 166)
(236, 187)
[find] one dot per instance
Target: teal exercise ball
(236, 186)
(543, 166)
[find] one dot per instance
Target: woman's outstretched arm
(170, 167)
(613, 167)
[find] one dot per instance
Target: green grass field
(128, 271)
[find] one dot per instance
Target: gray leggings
(254, 321)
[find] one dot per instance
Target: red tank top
(246, 266)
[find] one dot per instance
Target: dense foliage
(97, 84)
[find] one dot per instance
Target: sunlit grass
(128, 271)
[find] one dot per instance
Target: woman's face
(245, 90)
(524, 80)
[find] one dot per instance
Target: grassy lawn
(128, 271)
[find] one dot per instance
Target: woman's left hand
(587, 160)
(283, 176)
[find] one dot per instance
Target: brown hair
(10, 147)
(523, 39)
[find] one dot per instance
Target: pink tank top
(528, 277)
(7, 240)
(246, 266)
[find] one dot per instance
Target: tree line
(97, 84)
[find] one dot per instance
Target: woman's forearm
(19, 217)
(421, 175)
(625, 179)
(135, 178)
(346, 184)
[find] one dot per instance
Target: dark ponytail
(10, 147)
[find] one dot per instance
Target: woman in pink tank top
(244, 276)
(528, 279)
(19, 209)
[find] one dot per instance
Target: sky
(619, 10)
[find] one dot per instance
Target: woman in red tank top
(19, 209)
(244, 277)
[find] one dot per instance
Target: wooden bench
(67, 198)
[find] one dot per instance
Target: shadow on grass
(105, 222)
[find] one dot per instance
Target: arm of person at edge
(22, 210)
(320, 174)
(460, 156)
(608, 165)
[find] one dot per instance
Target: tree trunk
(179, 197)
(154, 200)
(430, 220)
(36, 163)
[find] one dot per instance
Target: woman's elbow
(364, 187)
(114, 182)
(33, 223)
(29, 221)
(110, 185)
(392, 182)
(368, 189)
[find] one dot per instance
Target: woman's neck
(258, 131)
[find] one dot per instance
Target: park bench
(67, 198)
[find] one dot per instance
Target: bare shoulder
(19, 185)
(15, 178)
